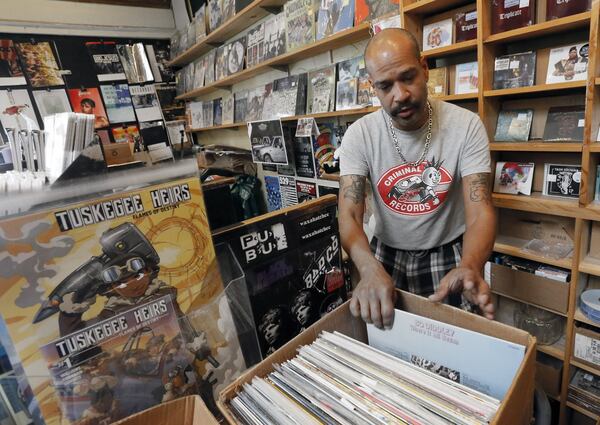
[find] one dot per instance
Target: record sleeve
(11, 73)
(465, 26)
(287, 187)
(199, 73)
(17, 110)
(217, 112)
(215, 16)
(346, 94)
(254, 104)
(275, 36)
(568, 63)
(177, 134)
(289, 95)
(565, 123)
(299, 23)
(514, 177)
(512, 71)
(328, 190)
(195, 113)
(200, 23)
(304, 157)
(512, 14)
(106, 60)
(273, 193)
(221, 69)
(334, 16)
(368, 10)
(228, 108)
(235, 55)
(88, 101)
(227, 10)
(321, 90)
(437, 85)
(39, 64)
(467, 78)
(208, 113)
(514, 125)
(135, 63)
(559, 8)
(350, 68)
(240, 106)
(159, 53)
(256, 45)
(365, 94)
(437, 34)
(51, 101)
(562, 180)
(118, 103)
(145, 103)
(209, 76)
(305, 190)
(267, 142)
(380, 24)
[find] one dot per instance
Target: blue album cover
(334, 16)
(273, 193)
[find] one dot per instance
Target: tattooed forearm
(353, 188)
(479, 187)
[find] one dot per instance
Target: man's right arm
(373, 297)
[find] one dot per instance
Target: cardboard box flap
(189, 410)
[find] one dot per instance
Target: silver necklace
(427, 138)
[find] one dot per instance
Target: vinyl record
(590, 304)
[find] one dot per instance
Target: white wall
(72, 18)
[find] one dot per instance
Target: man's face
(86, 108)
(400, 83)
(134, 286)
(573, 54)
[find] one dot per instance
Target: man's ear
(423, 62)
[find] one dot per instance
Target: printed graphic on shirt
(415, 190)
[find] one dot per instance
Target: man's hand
(470, 283)
(374, 296)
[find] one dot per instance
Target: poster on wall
(40, 64)
(11, 73)
(267, 142)
(106, 61)
(16, 110)
(118, 103)
(88, 101)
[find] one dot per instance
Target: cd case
(562, 180)
(514, 177)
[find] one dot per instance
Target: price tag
(551, 177)
(514, 64)
(523, 3)
(471, 16)
(501, 64)
(581, 123)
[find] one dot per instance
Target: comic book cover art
(292, 266)
(72, 267)
(11, 73)
(299, 23)
(39, 64)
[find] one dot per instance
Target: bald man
(428, 164)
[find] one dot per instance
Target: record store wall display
(292, 265)
(115, 304)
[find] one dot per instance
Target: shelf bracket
(215, 44)
(282, 68)
(273, 10)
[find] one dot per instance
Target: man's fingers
(439, 295)
(387, 310)
(355, 306)
(375, 313)
(365, 310)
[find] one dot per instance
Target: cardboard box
(584, 349)
(527, 226)
(189, 410)
(536, 290)
(548, 374)
(517, 406)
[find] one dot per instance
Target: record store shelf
(556, 350)
(580, 20)
(595, 147)
(580, 317)
(598, 81)
(590, 265)
(537, 89)
(236, 24)
(428, 7)
(535, 146)
(583, 411)
(590, 369)
(537, 203)
(340, 39)
(514, 246)
(464, 46)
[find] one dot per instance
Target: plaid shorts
(420, 272)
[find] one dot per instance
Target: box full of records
(436, 365)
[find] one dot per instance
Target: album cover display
(39, 64)
(114, 347)
(221, 70)
(368, 10)
(334, 16)
(228, 109)
(145, 103)
(235, 55)
(305, 191)
(17, 110)
(514, 177)
(189, 77)
(167, 96)
(512, 71)
(437, 85)
(350, 68)
(559, 8)
(365, 93)
(512, 14)
(227, 10)
(11, 73)
(177, 134)
(287, 188)
(289, 95)
(380, 24)
(117, 100)
(324, 145)
(135, 63)
(175, 44)
(437, 34)
(195, 114)
(51, 101)
(304, 157)
(292, 266)
(208, 113)
(158, 57)
(106, 61)
(514, 125)
(565, 123)
(568, 63)
(156, 141)
(254, 104)
(88, 101)
(562, 180)
(191, 34)
(275, 36)
(273, 193)
(321, 90)
(328, 190)
(584, 391)
(209, 63)
(267, 142)
(466, 78)
(465, 26)
(240, 106)
(346, 94)
(299, 23)
(217, 111)
(256, 45)
(200, 23)
(215, 16)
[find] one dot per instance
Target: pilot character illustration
(423, 185)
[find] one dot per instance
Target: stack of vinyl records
(584, 390)
(338, 380)
(590, 304)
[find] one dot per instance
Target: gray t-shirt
(417, 207)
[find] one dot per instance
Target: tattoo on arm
(353, 188)
(479, 188)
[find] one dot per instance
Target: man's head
(87, 106)
(399, 76)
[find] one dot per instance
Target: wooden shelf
(514, 246)
(580, 317)
(580, 20)
(598, 81)
(536, 147)
(590, 369)
(245, 18)
(340, 39)
(465, 46)
(458, 97)
(582, 411)
(519, 300)
(556, 350)
(537, 203)
(540, 88)
(590, 265)
(330, 177)
(332, 114)
(594, 147)
(428, 7)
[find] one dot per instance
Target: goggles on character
(113, 274)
